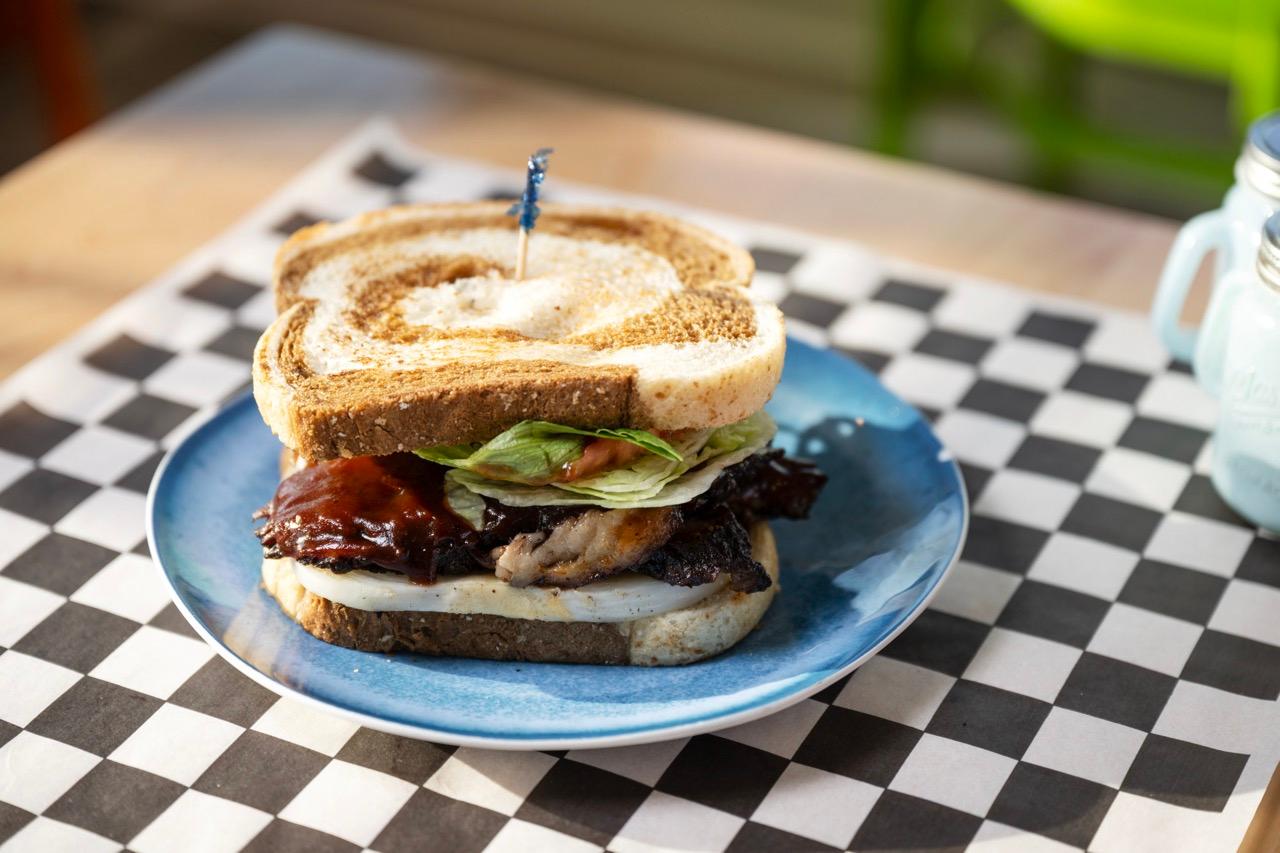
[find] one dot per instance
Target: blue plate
(886, 530)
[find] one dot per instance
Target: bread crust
(683, 636)
(485, 382)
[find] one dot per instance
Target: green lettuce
(464, 503)
(536, 452)
(650, 480)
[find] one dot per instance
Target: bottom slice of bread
(681, 636)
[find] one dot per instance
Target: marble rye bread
(681, 636)
(404, 328)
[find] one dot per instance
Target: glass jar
(1241, 346)
(1231, 232)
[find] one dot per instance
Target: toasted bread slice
(682, 636)
(404, 328)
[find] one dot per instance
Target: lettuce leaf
(536, 452)
(650, 480)
(464, 503)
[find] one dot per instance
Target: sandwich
(573, 466)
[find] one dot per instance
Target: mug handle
(1201, 235)
(1211, 349)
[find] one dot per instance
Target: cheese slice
(620, 598)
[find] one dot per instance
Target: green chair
(927, 50)
(1232, 40)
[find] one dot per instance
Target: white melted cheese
(620, 598)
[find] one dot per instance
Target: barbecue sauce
(388, 511)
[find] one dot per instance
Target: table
(103, 213)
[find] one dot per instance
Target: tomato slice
(600, 454)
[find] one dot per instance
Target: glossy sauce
(389, 512)
(384, 510)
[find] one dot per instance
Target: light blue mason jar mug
(1236, 357)
(1231, 232)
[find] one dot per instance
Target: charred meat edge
(567, 547)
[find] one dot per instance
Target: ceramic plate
(886, 530)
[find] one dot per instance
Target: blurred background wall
(1000, 88)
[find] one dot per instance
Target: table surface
(101, 214)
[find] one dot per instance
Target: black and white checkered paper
(1101, 671)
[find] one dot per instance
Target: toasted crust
(679, 637)
(403, 328)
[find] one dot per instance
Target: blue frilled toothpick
(527, 207)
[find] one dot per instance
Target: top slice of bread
(405, 328)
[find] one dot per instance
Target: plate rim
(655, 734)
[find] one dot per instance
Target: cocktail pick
(527, 207)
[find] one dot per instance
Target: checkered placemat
(1101, 670)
